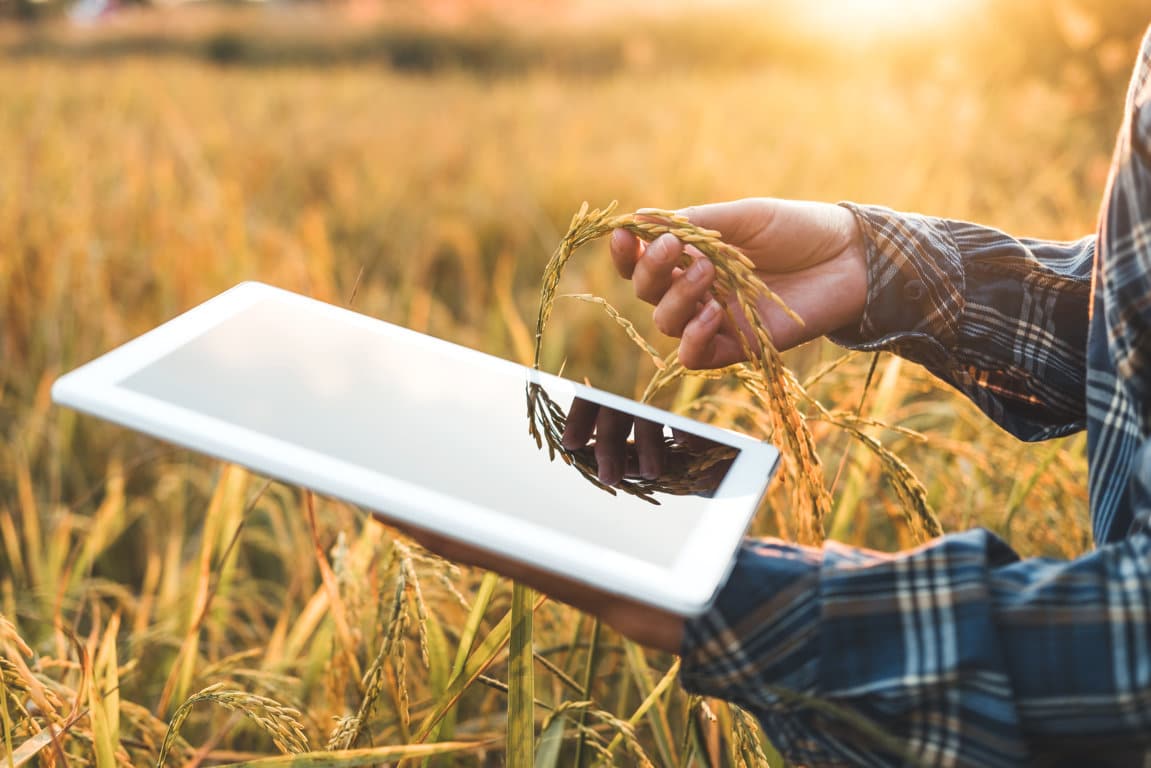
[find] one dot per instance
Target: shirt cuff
(914, 284)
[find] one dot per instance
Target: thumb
(737, 221)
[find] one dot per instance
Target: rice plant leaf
(653, 706)
(658, 725)
(593, 654)
(521, 682)
(480, 605)
(483, 657)
(45, 738)
(550, 744)
(104, 698)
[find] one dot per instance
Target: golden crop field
(156, 606)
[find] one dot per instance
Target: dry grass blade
(280, 722)
(622, 322)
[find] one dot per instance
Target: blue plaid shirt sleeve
(960, 653)
(1003, 320)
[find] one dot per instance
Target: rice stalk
(651, 701)
(917, 512)
(360, 758)
(281, 723)
(563, 677)
(12, 687)
(8, 634)
(735, 283)
(149, 731)
(625, 731)
(6, 721)
(349, 728)
(417, 598)
(746, 747)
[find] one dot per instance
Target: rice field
(159, 608)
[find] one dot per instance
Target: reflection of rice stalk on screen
(775, 391)
(686, 470)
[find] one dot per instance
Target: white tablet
(423, 432)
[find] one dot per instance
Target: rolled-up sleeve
(1003, 320)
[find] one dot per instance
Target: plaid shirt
(961, 651)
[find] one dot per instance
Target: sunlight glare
(870, 17)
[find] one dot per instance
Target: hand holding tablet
(434, 437)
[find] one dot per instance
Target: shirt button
(914, 290)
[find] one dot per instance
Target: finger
(611, 430)
(625, 252)
(692, 441)
(704, 343)
(580, 424)
(657, 267)
(682, 300)
(650, 447)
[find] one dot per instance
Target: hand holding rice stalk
(753, 315)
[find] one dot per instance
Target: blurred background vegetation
(419, 161)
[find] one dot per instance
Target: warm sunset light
(432, 558)
(872, 17)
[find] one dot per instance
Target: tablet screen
(389, 404)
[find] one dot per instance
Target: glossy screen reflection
(396, 406)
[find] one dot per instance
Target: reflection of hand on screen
(610, 429)
(607, 430)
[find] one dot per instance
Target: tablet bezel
(686, 588)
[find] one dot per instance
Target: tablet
(425, 433)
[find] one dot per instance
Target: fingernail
(610, 470)
(698, 270)
(709, 312)
(648, 467)
(660, 249)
